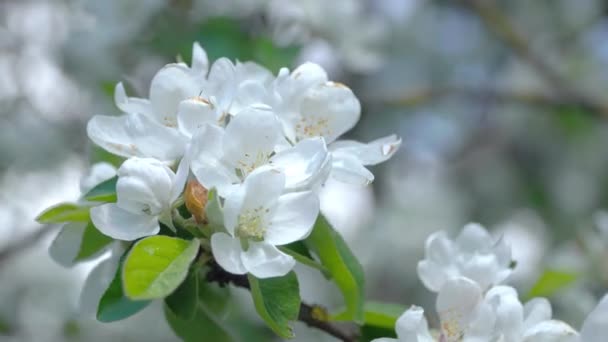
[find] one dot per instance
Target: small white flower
(146, 190)
(595, 327)
(149, 128)
(473, 254)
(258, 217)
(224, 158)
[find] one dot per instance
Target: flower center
(251, 224)
(312, 127)
(250, 163)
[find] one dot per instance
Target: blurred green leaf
(92, 242)
(98, 154)
(277, 301)
(213, 298)
(344, 267)
(114, 305)
(103, 192)
(64, 212)
(550, 282)
(157, 265)
(184, 301)
(266, 53)
(202, 327)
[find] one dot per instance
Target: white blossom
(473, 254)
(146, 190)
(258, 216)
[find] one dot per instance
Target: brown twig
(501, 26)
(308, 313)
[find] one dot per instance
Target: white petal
(99, 172)
(171, 85)
(251, 137)
(262, 188)
(207, 164)
(328, 110)
(412, 326)
(66, 245)
(222, 83)
(193, 114)
(509, 311)
(132, 105)
(227, 253)
(98, 281)
(293, 218)
(253, 71)
(121, 224)
(181, 176)
(474, 238)
(348, 169)
(595, 327)
(248, 93)
(144, 186)
(136, 135)
(536, 311)
(305, 76)
(233, 205)
(483, 268)
(372, 153)
(266, 261)
(305, 165)
(555, 331)
(456, 303)
(200, 61)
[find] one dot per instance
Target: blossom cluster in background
(473, 304)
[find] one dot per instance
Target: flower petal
(474, 238)
(293, 218)
(227, 253)
(595, 327)
(349, 170)
(251, 137)
(456, 303)
(328, 110)
(144, 186)
(193, 114)
(132, 105)
(200, 61)
(555, 331)
(120, 224)
(171, 85)
(305, 165)
(207, 164)
(372, 153)
(536, 311)
(136, 135)
(412, 326)
(509, 311)
(98, 281)
(222, 84)
(266, 261)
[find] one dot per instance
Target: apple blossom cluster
(474, 306)
(264, 144)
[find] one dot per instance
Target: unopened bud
(195, 197)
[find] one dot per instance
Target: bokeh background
(501, 106)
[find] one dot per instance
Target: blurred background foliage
(501, 106)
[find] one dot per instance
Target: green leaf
(343, 266)
(202, 327)
(550, 282)
(64, 212)
(92, 243)
(277, 301)
(114, 305)
(215, 299)
(183, 302)
(383, 315)
(103, 192)
(157, 265)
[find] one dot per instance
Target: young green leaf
(343, 266)
(92, 242)
(64, 212)
(183, 302)
(103, 192)
(114, 305)
(277, 301)
(550, 282)
(157, 265)
(202, 327)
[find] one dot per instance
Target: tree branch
(309, 314)
(500, 25)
